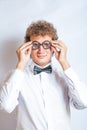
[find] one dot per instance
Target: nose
(41, 48)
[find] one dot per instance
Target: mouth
(41, 56)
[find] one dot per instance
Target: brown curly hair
(41, 28)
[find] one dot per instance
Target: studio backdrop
(70, 19)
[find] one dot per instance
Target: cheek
(50, 52)
(33, 53)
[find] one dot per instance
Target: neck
(42, 66)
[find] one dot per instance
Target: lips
(41, 56)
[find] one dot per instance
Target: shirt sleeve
(10, 90)
(77, 90)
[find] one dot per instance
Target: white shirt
(44, 99)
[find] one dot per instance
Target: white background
(70, 19)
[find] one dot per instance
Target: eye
(35, 45)
(46, 44)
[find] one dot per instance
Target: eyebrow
(43, 41)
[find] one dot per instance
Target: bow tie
(38, 70)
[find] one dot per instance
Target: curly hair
(41, 28)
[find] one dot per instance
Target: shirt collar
(32, 64)
(54, 63)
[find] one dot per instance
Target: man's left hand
(60, 51)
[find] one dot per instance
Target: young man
(42, 93)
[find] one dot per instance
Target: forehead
(40, 38)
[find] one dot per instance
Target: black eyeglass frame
(41, 44)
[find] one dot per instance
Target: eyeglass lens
(36, 45)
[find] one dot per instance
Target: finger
(26, 49)
(57, 47)
(55, 50)
(24, 45)
(59, 42)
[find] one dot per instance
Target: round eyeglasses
(36, 45)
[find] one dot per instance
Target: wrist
(20, 66)
(65, 65)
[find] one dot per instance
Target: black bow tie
(38, 70)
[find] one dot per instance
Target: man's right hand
(23, 54)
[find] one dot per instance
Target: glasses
(36, 45)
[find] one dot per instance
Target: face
(41, 56)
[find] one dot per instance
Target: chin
(42, 64)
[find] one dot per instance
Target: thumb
(55, 51)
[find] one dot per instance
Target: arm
(77, 91)
(9, 92)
